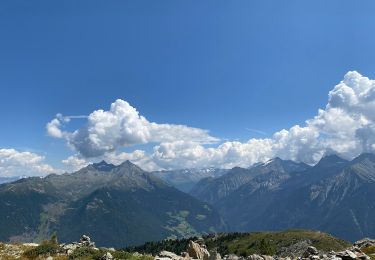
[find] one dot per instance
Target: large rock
(197, 251)
(86, 241)
(214, 255)
(168, 255)
(353, 254)
(310, 251)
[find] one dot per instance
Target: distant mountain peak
(331, 159)
(102, 162)
(281, 165)
(103, 166)
(129, 165)
(364, 156)
(273, 160)
(99, 198)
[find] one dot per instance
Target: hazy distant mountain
(214, 189)
(335, 195)
(185, 179)
(10, 179)
(115, 205)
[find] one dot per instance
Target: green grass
(46, 248)
(87, 253)
(272, 242)
(370, 251)
(179, 224)
(244, 244)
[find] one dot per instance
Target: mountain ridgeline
(123, 205)
(116, 205)
(186, 179)
(335, 196)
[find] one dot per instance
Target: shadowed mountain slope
(116, 205)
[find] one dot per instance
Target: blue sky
(224, 66)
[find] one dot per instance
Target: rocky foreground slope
(195, 249)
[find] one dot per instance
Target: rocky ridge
(51, 250)
(197, 250)
(86, 249)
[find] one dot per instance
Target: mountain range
(335, 195)
(186, 179)
(116, 205)
(124, 205)
(10, 179)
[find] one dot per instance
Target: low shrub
(84, 253)
(46, 248)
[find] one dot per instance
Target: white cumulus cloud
(53, 128)
(345, 126)
(17, 163)
(74, 163)
(122, 126)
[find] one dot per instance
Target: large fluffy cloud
(345, 126)
(122, 126)
(17, 163)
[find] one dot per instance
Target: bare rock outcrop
(85, 241)
(197, 251)
(366, 242)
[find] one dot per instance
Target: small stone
(231, 257)
(255, 257)
(31, 244)
(169, 255)
(107, 256)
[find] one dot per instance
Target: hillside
(285, 243)
(116, 205)
(329, 196)
(214, 189)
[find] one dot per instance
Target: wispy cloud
(256, 131)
